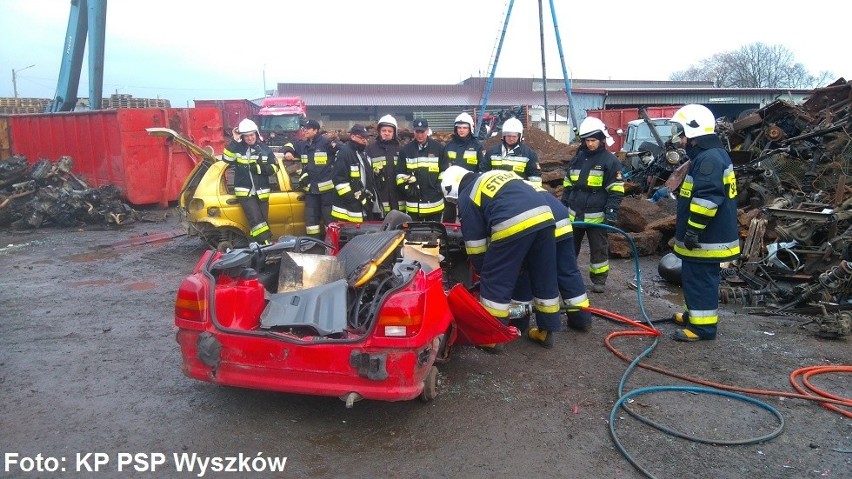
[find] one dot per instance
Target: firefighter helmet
(694, 120)
(247, 126)
(450, 181)
(512, 126)
(464, 118)
(592, 127)
(388, 120)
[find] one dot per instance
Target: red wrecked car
(368, 321)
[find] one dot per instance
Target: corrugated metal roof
(515, 91)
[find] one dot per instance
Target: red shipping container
(233, 111)
(619, 118)
(113, 146)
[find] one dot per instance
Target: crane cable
(806, 390)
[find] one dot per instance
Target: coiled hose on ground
(799, 378)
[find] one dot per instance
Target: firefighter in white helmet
(383, 153)
(464, 150)
(706, 231)
(506, 225)
(592, 190)
(253, 163)
(512, 154)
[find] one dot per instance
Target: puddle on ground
(93, 256)
(13, 246)
(673, 295)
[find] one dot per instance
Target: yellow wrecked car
(210, 209)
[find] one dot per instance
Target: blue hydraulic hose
(622, 397)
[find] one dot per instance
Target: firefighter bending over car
(506, 226)
(356, 197)
(706, 232)
(568, 277)
(592, 190)
(253, 163)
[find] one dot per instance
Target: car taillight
(191, 303)
(196, 205)
(401, 315)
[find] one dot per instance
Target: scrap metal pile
(47, 193)
(793, 166)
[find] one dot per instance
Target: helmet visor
(677, 130)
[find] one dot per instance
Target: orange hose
(807, 390)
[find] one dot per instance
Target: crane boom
(87, 17)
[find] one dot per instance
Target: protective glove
(303, 181)
(610, 216)
(690, 239)
(411, 179)
(361, 197)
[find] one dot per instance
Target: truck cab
(638, 132)
(279, 119)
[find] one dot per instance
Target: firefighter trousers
(318, 212)
(501, 267)
(257, 214)
(598, 252)
(569, 279)
(700, 283)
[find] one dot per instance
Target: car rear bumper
(320, 369)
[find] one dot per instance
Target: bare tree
(756, 65)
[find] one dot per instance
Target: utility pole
(15, 79)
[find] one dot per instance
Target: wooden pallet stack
(13, 106)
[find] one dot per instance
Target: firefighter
(463, 150)
(592, 190)
(317, 154)
(253, 162)
(512, 154)
(706, 230)
(354, 181)
(383, 153)
(507, 225)
(568, 277)
(418, 174)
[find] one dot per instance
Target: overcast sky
(193, 49)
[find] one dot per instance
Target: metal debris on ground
(47, 193)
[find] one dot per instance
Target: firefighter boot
(598, 288)
(680, 318)
(691, 333)
(522, 323)
(541, 336)
(579, 320)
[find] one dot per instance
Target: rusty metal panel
(113, 147)
(5, 150)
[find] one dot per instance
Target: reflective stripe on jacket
(593, 184)
(520, 159)
(246, 160)
(707, 204)
(499, 206)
